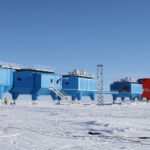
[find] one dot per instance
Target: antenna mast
(100, 83)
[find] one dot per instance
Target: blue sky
(68, 34)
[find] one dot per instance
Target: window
(66, 83)
(51, 80)
(19, 79)
(57, 81)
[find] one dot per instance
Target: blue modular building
(35, 83)
(124, 89)
(78, 84)
(6, 80)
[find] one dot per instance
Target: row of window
(20, 79)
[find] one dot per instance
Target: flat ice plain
(47, 126)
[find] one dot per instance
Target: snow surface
(47, 126)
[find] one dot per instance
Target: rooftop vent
(10, 65)
(82, 73)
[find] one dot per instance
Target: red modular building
(146, 88)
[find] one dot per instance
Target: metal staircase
(58, 93)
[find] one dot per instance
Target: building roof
(35, 70)
(79, 76)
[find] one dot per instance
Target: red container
(146, 88)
